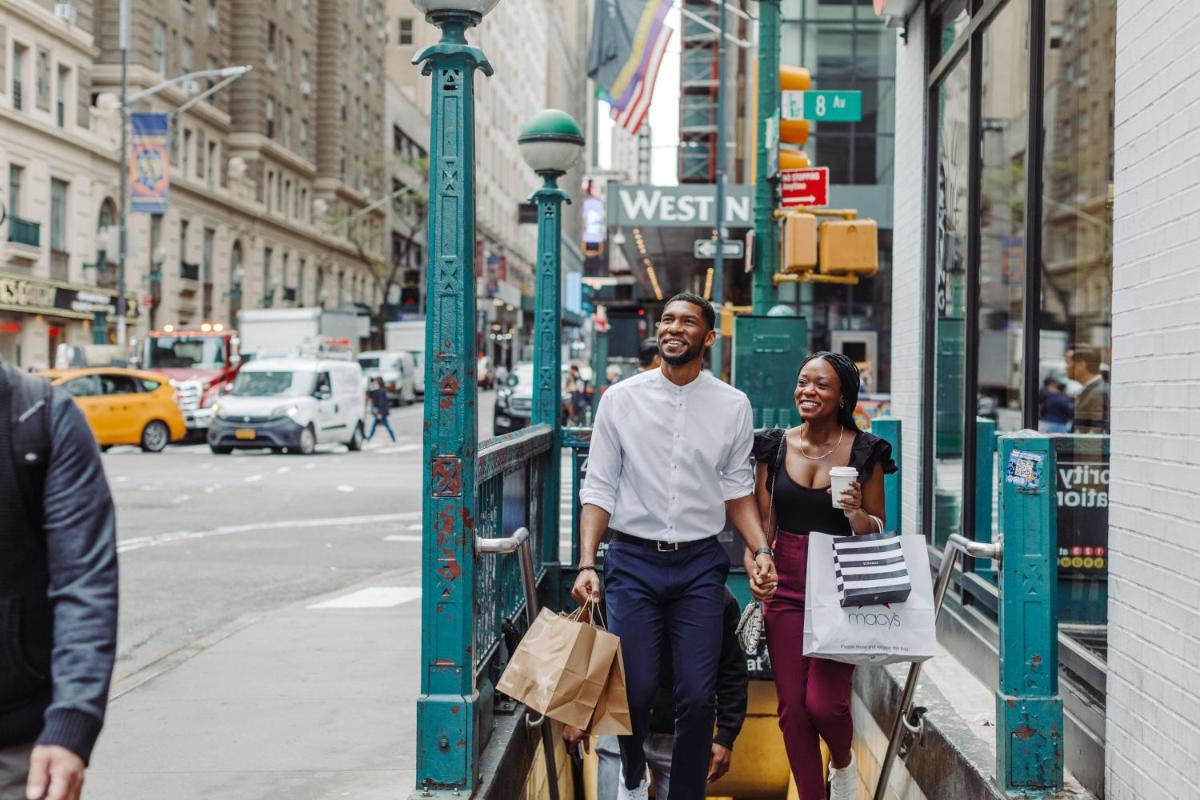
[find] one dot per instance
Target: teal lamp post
(449, 707)
(551, 142)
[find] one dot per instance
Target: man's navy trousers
(675, 596)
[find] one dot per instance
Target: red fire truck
(200, 364)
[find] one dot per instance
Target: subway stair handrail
(522, 543)
(909, 724)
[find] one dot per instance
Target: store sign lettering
(15, 292)
(680, 206)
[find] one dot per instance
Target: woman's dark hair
(848, 377)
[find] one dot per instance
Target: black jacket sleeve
(731, 680)
(80, 528)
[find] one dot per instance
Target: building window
(267, 186)
(183, 231)
(270, 117)
(160, 47)
(287, 196)
(287, 128)
(304, 138)
(303, 215)
(300, 282)
(42, 77)
(211, 165)
(60, 99)
(271, 45)
(18, 78)
(214, 15)
(187, 152)
(16, 178)
(268, 289)
(287, 58)
(185, 57)
(58, 215)
(404, 33)
(344, 101)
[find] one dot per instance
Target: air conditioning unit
(65, 12)
(305, 88)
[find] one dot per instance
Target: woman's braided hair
(848, 377)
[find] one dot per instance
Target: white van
(291, 404)
(396, 368)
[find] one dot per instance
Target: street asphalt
(270, 622)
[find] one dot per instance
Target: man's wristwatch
(764, 551)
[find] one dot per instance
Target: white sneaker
(843, 783)
(642, 792)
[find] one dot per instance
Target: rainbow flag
(625, 35)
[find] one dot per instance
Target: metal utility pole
(766, 233)
(123, 161)
(718, 292)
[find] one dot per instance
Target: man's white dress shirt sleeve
(604, 459)
(737, 475)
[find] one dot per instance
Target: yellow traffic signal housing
(793, 159)
(799, 243)
(794, 79)
(849, 247)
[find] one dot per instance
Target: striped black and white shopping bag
(870, 569)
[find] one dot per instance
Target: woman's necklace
(827, 454)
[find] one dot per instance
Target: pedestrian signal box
(849, 247)
(767, 352)
(799, 242)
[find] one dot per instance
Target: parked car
(514, 400)
(124, 406)
(397, 369)
(291, 404)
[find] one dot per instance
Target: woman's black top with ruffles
(800, 509)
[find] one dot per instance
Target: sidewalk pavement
(300, 703)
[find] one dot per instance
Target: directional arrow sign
(805, 187)
(707, 248)
(822, 106)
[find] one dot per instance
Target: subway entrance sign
(841, 106)
(805, 187)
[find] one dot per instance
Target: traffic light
(588, 298)
(799, 243)
(849, 247)
(793, 132)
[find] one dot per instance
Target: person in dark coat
(58, 590)
(381, 406)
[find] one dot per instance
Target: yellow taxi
(124, 406)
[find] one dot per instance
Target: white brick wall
(908, 259)
(1153, 726)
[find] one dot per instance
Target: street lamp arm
(204, 96)
(224, 72)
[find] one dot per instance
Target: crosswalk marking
(372, 597)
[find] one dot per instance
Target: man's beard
(686, 357)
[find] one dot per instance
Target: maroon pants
(814, 693)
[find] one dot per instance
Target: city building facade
(1045, 212)
(537, 49)
(261, 196)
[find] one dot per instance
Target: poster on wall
(149, 163)
(1082, 467)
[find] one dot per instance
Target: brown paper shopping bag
(612, 709)
(560, 667)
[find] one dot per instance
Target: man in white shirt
(669, 461)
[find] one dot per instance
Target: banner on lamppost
(149, 163)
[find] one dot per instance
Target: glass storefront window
(950, 271)
(1004, 132)
(1077, 216)
(951, 22)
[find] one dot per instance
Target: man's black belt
(656, 544)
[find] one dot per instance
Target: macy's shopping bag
(561, 666)
(877, 634)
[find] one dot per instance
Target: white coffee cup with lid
(840, 479)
